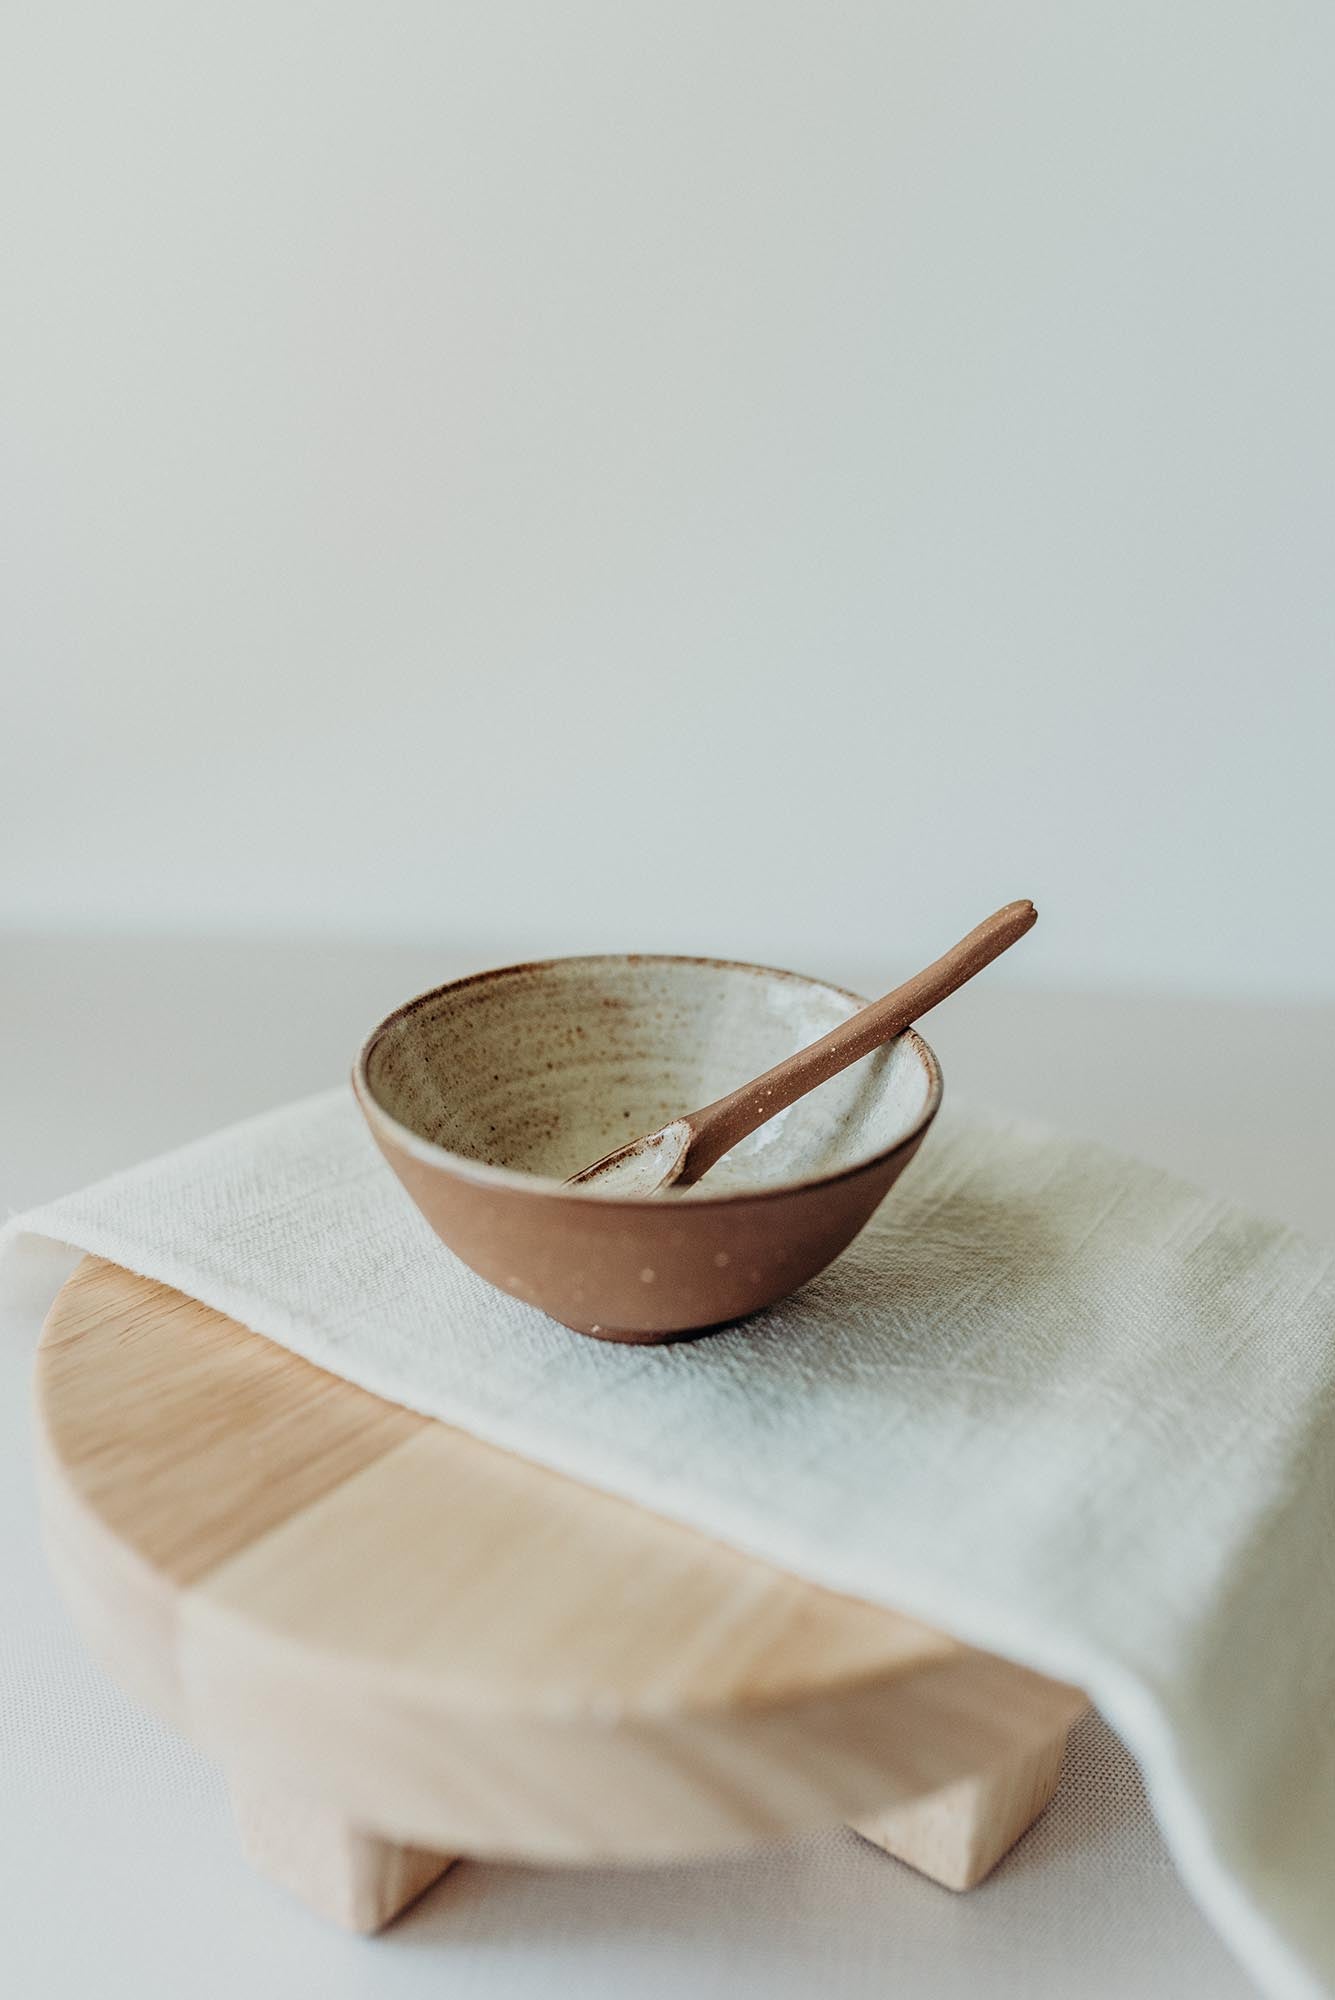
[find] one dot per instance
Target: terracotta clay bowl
(485, 1094)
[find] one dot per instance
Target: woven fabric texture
(1052, 1399)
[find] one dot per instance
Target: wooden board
(404, 1645)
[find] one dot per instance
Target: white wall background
(760, 476)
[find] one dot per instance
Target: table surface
(119, 1870)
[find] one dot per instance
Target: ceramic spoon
(680, 1152)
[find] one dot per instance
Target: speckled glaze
(485, 1094)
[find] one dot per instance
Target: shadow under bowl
(485, 1094)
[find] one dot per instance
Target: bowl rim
(482, 1173)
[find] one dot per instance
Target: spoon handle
(720, 1125)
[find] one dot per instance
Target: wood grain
(215, 1435)
(959, 1834)
(451, 1650)
(348, 1877)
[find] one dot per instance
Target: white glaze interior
(544, 1068)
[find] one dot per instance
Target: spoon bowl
(680, 1153)
(486, 1093)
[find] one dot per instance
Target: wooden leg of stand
(351, 1878)
(958, 1835)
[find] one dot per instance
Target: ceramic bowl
(485, 1094)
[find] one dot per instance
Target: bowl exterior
(642, 1271)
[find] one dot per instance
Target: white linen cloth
(1053, 1400)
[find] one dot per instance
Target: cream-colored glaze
(542, 1069)
(680, 1154)
(648, 1167)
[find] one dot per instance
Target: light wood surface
(350, 1878)
(959, 1834)
(430, 1648)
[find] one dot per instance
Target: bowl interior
(543, 1068)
